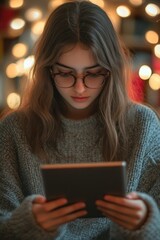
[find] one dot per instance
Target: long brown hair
(70, 23)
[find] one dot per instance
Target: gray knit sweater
(20, 178)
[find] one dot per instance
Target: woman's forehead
(77, 56)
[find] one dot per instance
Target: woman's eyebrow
(86, 68)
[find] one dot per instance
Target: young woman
(77, 110)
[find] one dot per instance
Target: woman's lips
(80, 99)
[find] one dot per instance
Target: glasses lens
(94, 80)
(64, 80)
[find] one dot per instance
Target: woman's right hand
(50, 215)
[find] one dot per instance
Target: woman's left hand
(129, 212)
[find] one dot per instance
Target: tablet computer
(86, 182)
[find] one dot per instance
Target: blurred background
(137, 22)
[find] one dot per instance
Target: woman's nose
(79, 86)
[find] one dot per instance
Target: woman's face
(79, 99)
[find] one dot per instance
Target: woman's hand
(130, 212)
(50, 215)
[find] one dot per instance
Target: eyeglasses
(90, 80)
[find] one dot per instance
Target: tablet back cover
(84, 182)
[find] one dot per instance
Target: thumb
(132, 195)
(39, 199)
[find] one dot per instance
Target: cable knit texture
(21, 181)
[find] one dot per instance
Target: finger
(37, 205)
(117, 208)
(131, 219)
(123, 224)
(132, 195)
(124, 201)
(53, 224)
(61, 212)
(66, 210)
(134, 218)
(41, 210)
(39, 199)
(138, 212)
(49, 206)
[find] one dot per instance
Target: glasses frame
(82, 78)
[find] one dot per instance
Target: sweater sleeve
(20, 224)
(149, 231)
(16, 218)
(149, 186)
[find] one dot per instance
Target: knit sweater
(21, 181)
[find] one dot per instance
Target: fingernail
(64, 200)
(106, 197)
(82, 204)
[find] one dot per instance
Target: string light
(152, 37)
(54, 4)
(100, 3)
(17, 23)
(12, 70)
(33, 14)
(13, 100)
(152, 9)
(19, 50)
(136, 2)
(145, 72)
(16, 3)
(157, 50)
(154, 81)
(123, 11)
(37, 28)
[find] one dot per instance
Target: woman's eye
(63, 74)
(93, 75)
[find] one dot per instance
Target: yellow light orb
(145, 72)
(13, 100)
(19, 50)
